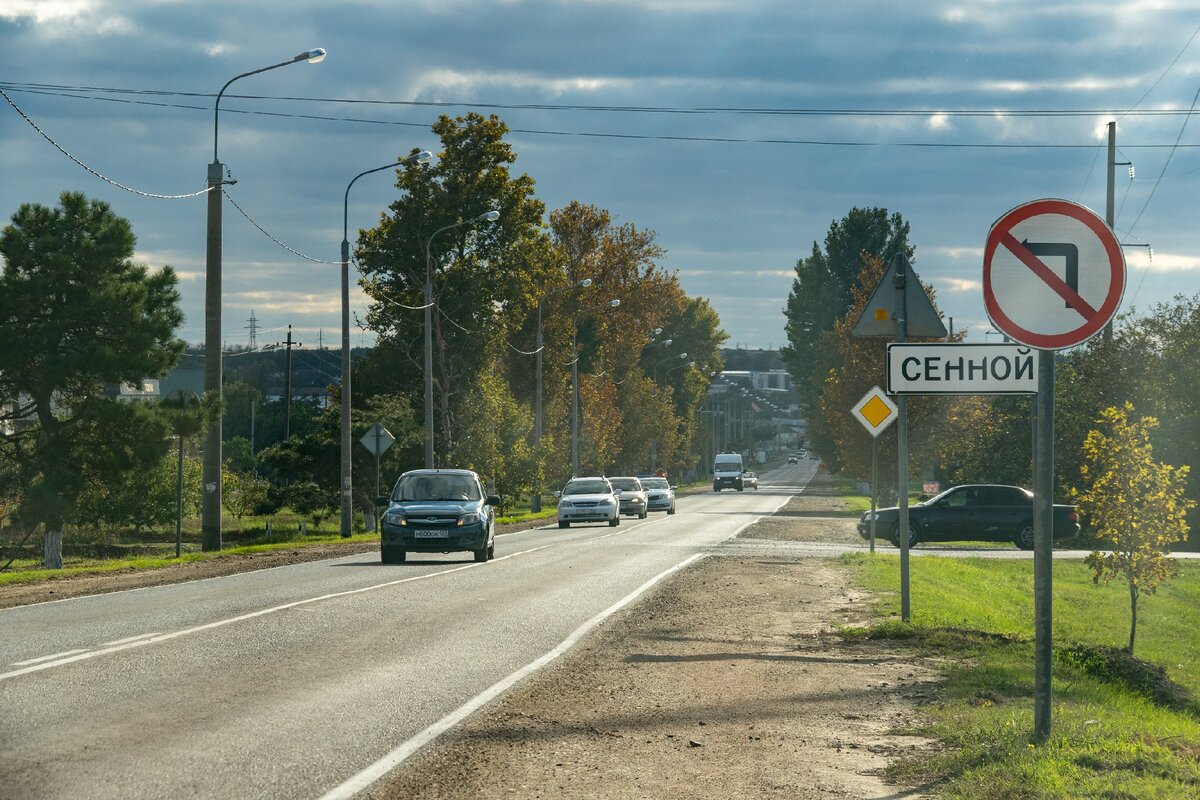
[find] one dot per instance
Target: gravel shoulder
(723, 682)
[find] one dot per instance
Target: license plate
(431, 534)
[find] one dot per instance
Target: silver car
(632, 495)
(588, 500)
(660, 494)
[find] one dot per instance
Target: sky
(737, 131)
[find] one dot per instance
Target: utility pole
(1109, 212)
(253, 328)
(287, 387)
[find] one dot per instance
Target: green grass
(1107, 740)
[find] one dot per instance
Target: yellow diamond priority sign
(875, 411)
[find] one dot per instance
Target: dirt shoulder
(723, 682)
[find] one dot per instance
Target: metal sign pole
(901, 263)
(874, 484)
(1043, 546)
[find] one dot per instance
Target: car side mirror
(382, 500)
(617, 492)
(676, 486)
(492, 500)
(557, 495)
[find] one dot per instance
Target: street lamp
(575, 385)
(663, 361)
(535, 502)
(422, 157)
(490, 216)
(210, 509)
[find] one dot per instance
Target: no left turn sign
(1053, 274)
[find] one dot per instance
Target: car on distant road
(632, 496)
(660, 494)
(591, 499)
(794, 458)
(437, 511)
(974, 512)
(750, 480)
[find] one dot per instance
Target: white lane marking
(47, 658)
(393, 759)
(130, 639)
(154, 639)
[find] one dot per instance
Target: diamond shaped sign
(875, 411)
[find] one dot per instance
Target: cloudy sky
(736, 130)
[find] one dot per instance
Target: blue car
(438, 511)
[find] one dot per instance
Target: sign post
(1053, 277)
(377, 440)
(875, 411)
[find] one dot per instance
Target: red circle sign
(1053, 274)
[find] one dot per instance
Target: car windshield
(424, 486)
(592, 486)
(626, 484)
(655, 483)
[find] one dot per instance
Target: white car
(632, 496)
(660, 494)
(588, 500)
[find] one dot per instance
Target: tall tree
(821, 293)
(478, 267)
(76, 315)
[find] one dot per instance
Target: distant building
(143, 390)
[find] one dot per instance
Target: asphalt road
(311, 681)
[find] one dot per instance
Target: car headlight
(395, 518)
(606, 502)
(565, 503)
(635, 500)
(468, 519)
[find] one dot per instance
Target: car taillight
(1074, 516)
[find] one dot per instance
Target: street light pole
(210, 508)
(575, 386)
(535, 502)
(347, 482)
(490, 216)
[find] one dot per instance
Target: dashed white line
(130, 639)
(61, 659)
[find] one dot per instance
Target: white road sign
(1053, 274)
(378, 439)
(949, 368)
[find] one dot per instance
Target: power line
(102, 177)
(714, 139)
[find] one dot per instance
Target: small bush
(1118, 665)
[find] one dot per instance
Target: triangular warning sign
(879, 316)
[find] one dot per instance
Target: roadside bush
(1117, 665)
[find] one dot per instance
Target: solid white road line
(396, 757)
(47, 658)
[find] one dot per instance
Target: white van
(727, 471)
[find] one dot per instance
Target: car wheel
(1023, 538)
(716, 488)
(894, 535)
(392, 555)
(562, 523)
(483, 554)
(643, 515)
(671, 510)
(614, 522)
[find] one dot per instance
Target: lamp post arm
(313, 56)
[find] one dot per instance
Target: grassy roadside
(1112, 736)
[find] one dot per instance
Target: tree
(821, 293)
(77, 315)
(1133, 503)
(242, 492)
(478, 267)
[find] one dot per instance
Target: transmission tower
(253, 328)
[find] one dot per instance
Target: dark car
(438, 511)
(975, 512)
